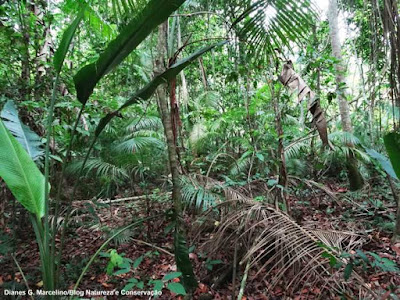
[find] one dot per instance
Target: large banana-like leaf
(146, 92)
(29, 140)
(20, 173)
(156, 12)
(392, 145)
(383, 161)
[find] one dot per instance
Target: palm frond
(344, 138)
(138, 143)
(241, 165)
(145, 122)
(207, 99)
(294, 150)
(268, 25)
(277, 246)
(99, 167)
(199, 132)
(195, 193)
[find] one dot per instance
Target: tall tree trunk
(355, 178)
(181, 252)
(166, 117)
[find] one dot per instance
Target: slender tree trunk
(166, 117)
(181, 253)
(281, 197)
(355, 178)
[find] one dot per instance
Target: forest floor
(91, 225)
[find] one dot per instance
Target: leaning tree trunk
(355, 178)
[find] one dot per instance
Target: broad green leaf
(137, 262)
(122, 271)
(67, 37)
(348, 270)
(158, 285)
(28, 139)
(362, 256)
(146, 92)
(383, 161)
(183, 262)
(176, 288)
(172, 276)
(129, 286)
(392, 145)
(20, 173)
(155, 12)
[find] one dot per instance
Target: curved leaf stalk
(244, 280)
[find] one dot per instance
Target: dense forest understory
(199, 149)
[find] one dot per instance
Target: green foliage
(196, 195)
(392, 144)
(21, 174)
(147, 91)
(183, 262)
(268, 25)
(210, 263)
(383, 161)
(28, 139)
(360, 258)
(66, 40)
(130, 37)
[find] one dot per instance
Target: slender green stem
(58, 197)
(47, 237)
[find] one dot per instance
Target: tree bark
(355, 178)
(166, 117)
(181, 252)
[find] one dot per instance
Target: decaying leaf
(293, 80)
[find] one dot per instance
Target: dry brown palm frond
(340, 240)
(280, 248)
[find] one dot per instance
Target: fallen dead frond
(283, 252)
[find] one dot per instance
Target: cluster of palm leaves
(273, 245)
(133, 154)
